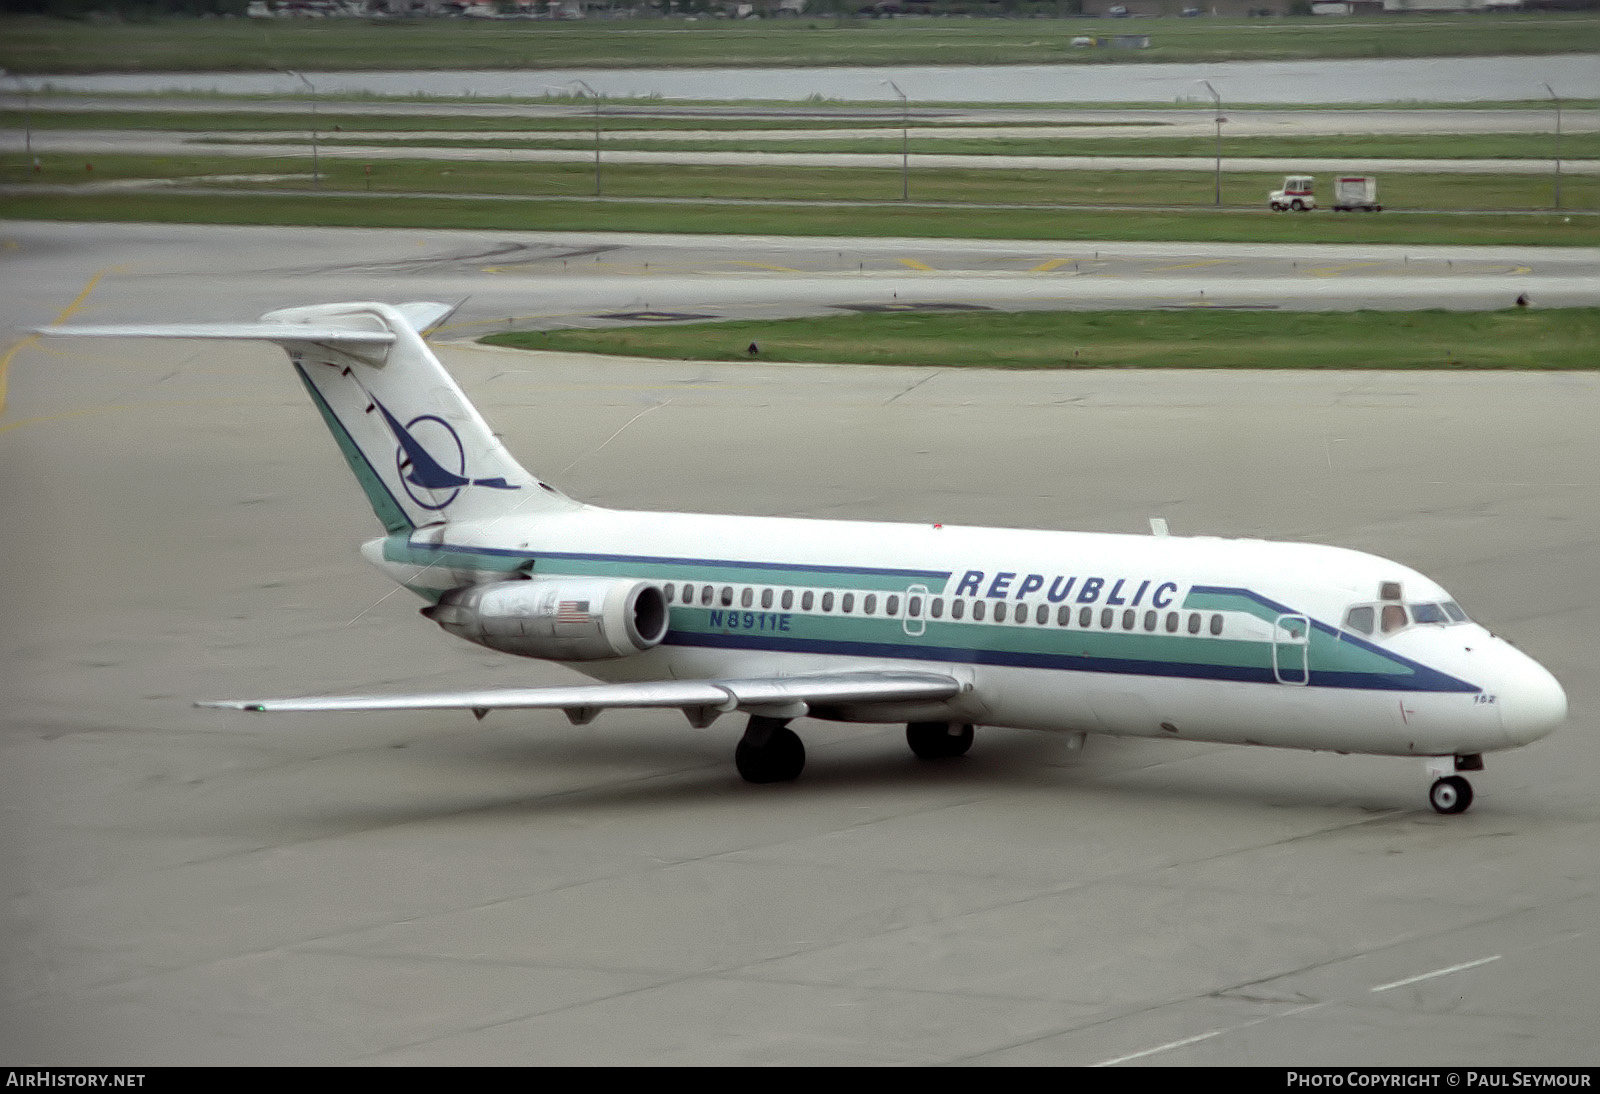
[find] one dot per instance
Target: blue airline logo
(418, 467)
(1062, 587)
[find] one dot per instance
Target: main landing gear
(938, 740)
(769, 751)
(1451, 793)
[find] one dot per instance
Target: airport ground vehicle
(1352, 192)
(1298, 194)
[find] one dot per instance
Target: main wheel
(779, 759)
(934, 741)
(1297, 205)
(1451, 794)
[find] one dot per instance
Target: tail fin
(419, 449)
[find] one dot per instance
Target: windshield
(1390, 618)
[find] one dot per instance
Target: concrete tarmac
(185, 886)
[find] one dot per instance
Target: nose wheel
(1451, 794)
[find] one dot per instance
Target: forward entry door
(1291, 649)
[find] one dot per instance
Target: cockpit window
(1453, 610)
(1428, 613)
(1359, 619)
(1394, 617)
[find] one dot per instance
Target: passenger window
(891, 606)
(788, 599)
(1063, 616)
(747, 598)
(1216, 624)
(688, 594)
(870, 604)
(807, 598)
(913, 606)
(1359, 620)
(706, 594)
(847, 603)
(1194, 622)
(936, 607)
(977, 611)
(1085, 616)
(1041, 614)
(958, 608)
(1106, 615)
(1172, 622)
(827, 602)
(766, 598)
(669, 591)
(1128, 618)
(1428, 613)
(1149, 621)
(1394, 617)
(1000, 611)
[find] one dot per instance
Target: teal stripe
(383, 504)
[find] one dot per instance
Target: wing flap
(718, 695)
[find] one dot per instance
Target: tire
(1277, 207)
(1450, 795)
(1297, 205)
(934, 741)
(780, 760)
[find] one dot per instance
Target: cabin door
(1291, 649)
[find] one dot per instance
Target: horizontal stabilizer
(251, 332)
(721, 695)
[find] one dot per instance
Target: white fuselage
(1197, 638)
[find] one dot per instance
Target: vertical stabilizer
(421, 452)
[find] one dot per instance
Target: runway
(534, 280)
(185, 887)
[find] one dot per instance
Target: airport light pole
(27, 113)
(595, 95)
(316, 163)
(1217, 99)
(905, 141)
(1557, 100)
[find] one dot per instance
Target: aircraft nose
(1531, 701)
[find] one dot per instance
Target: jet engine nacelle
(566, 619)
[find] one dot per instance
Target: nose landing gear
(1450, 793)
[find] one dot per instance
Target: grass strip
(852, 185)
(712, 218)
(1199, 338)
(33, 45)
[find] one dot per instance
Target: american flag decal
(572, 611)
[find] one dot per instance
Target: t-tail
(420, 450)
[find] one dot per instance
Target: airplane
(940, 627)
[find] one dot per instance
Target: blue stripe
(1428, 680)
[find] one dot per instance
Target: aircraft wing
(700, 700)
